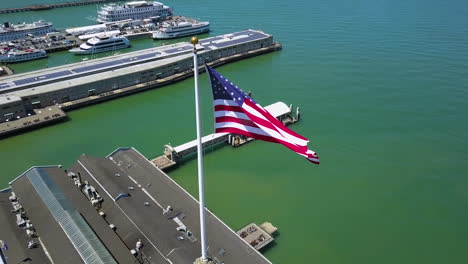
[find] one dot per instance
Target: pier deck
(154, 222)
(41, 117)
(156, 213)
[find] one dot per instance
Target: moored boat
(13, 56)
(102, 43)
(169, 30)
(137, 10)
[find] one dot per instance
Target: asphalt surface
(15, 237)
(224, 245)
(129, 233)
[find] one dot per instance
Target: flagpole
(201, 194)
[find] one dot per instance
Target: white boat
(137, 10)
(92, 35)
(102, 43)
(10, 32)
(22, 55)
(171, 30)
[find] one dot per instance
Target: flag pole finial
(194, 40)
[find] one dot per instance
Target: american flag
(237, 113)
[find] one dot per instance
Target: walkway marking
(133, 180)
(152, 198)
(90, 174)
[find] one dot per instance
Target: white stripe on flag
(225, 102)
(232, 114)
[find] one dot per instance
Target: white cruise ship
(22, 55)
(9, 32)
(180, 29)
(102, 43)
(133, 10)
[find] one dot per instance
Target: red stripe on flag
(272, 119)
(223, 119)
(296, 148)
(228, 108)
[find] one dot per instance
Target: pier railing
(50, 6)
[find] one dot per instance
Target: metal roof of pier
(35, 78)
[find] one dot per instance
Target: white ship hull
(13, 59)
(137, 10)
(177, 34)
(79, 51)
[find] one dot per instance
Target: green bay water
(382, 87)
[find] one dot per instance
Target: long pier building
(65, 85)
(115, 209)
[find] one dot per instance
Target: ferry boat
(12, 56)
(137, 10)
(102, 43)
(9, 32)
(171, 30)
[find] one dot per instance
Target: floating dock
(174, 155)
(258, 236)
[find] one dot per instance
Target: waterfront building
(108, 76)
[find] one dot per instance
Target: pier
(114, 209)
(89, 82)
(51, 6)
(57, 42)
(174, 155)
(39, 118)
